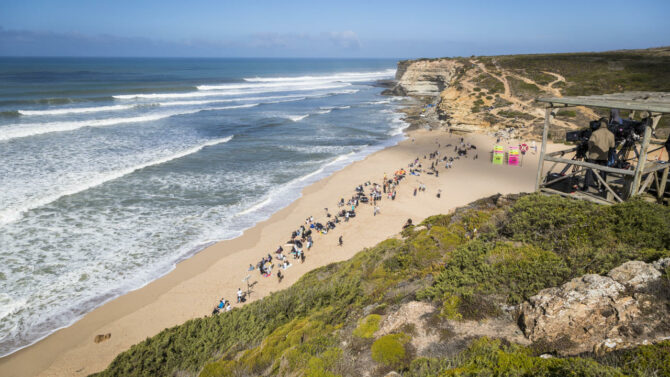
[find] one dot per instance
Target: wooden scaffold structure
(639, 175)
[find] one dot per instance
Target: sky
(341, 29)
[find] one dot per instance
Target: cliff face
(426, 77)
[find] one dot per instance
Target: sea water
(113, 170)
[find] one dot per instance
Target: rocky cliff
(498, 93)
(593, 313)
(426, 77)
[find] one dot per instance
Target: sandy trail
(194, 287)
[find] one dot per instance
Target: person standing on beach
(240, 295)
(340, 241)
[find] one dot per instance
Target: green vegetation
(540, 77)
(590, 73)
(490, 83)
(467, 264)
(368, 326)
(515, 114)
(523, 89)
(477, 106)
(390, 350)
(501, 102)
(567, 113)
(486, 357)
(598, 73)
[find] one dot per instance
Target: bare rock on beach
(101, 337)
(630, 306)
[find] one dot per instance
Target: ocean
(114, 170)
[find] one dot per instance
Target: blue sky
(345, 28)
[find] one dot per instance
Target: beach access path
(195, 286)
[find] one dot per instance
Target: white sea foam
(297, 118)
(15, 212)
(233, 92)
(399, 125)
(256, 206)
(32, 129)
(88, 110)
(9, 305)
(345, 76)
(120, 236)
(75, 110)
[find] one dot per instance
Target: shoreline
(193, 287)
(329, 168)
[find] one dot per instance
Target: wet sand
(195, 286)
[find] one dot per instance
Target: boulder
(662, 264)
(599, 313)
(635, 274)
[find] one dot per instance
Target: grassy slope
(599, 73)
(596, 73)
(324, 324)
(584, 73)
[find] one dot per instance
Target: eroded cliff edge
(496, 94)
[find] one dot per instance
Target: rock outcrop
(425, 77)
(630, 306)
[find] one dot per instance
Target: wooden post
(664, 180)
(540, 163)
(641, 160)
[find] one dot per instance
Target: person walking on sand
(280, 277)
(376, 211)
(340, 242)
(415, 191)
(240, 295)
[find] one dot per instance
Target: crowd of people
(301, 239)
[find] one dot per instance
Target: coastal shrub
(450, 307)
(515, 114)
(540, 77)
(598, 73)
(591, 238)
(389, 350)
(368, 326)
(523, 89)
(567, 113)
(320, 366)
(645, 360)
(479, 269)
(190, 346)
(491, 357)
(490, 83)
(469, 262)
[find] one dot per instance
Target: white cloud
(344, 39)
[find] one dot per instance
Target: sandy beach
(195, 286)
